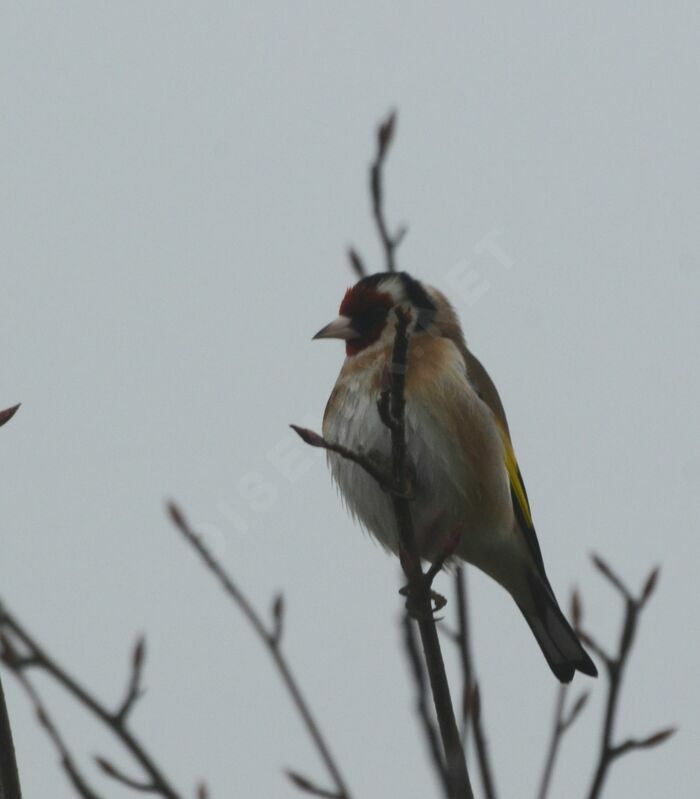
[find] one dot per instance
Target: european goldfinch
(463, 468)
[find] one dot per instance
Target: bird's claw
(413, 604)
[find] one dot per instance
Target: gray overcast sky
(178, 184)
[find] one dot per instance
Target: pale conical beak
(338, 328)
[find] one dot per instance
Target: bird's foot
(415, 607)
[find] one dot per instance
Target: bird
(464, 473)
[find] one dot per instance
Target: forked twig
(390, 241)
(35, 656)
(134, 690)
(615, 670)
(68, 764)
(271, 639)
(562, 722)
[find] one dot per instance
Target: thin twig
(554, 741)
(390, 241)
(419, 587)
(76, 779)
(472, 711)
(9, 777)
(463, 641)
(481, 746)
(356, 263)
(306, 786)
(432, 737)
(562, 721)
(134, 691)
(38, 657)
(615, 671)
(270, 639)
(124, 779)
(644, 743)
(315, 440)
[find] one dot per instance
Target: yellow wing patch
(516, 480)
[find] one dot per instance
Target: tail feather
(559, 643)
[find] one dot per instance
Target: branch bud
(657, 738)
(650, 585)
(7, 414)
(385, 133)
(308, 436)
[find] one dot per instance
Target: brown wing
(485, 388)
(479, 378)
(448, 326)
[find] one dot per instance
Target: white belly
(452, 486)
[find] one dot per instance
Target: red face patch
(360, 299)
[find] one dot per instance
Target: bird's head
(366, 309)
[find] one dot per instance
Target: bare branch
(610, 575)
(134, 690)
(37, 657)
(462, 639)
(471, 700)
(119, 776)
(68, 764)
(271, 642)
(356, 263)
(385, 136)
(427, 723)
(644, 743)
(576, 709)
(649, 585)
(419, 595)
(9, 778)
(615, 671)
(305, 785)
(562, 723)
(588, 640)
(315, 440)
(482, 752)
(277, 619)
(554, 742)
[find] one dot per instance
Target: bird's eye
(369, 319)
(375, 314)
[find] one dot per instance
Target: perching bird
(463, 468)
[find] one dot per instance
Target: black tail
(558, 641)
